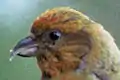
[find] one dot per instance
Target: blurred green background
(16, 17)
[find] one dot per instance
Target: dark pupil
(55, 35)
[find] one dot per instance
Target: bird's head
(60, 38)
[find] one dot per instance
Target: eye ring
(55, 35)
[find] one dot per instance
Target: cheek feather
(56, 67)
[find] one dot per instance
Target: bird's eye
(55, 35)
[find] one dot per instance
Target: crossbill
(68, 45)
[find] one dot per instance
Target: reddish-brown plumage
(79, 49)
(62, 19)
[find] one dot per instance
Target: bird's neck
(66, 76)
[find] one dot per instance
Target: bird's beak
(26, 47)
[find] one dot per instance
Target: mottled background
(16, 17)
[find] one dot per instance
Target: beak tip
(24, 48)
(12, 55)
(11, 50)
(10, 59)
